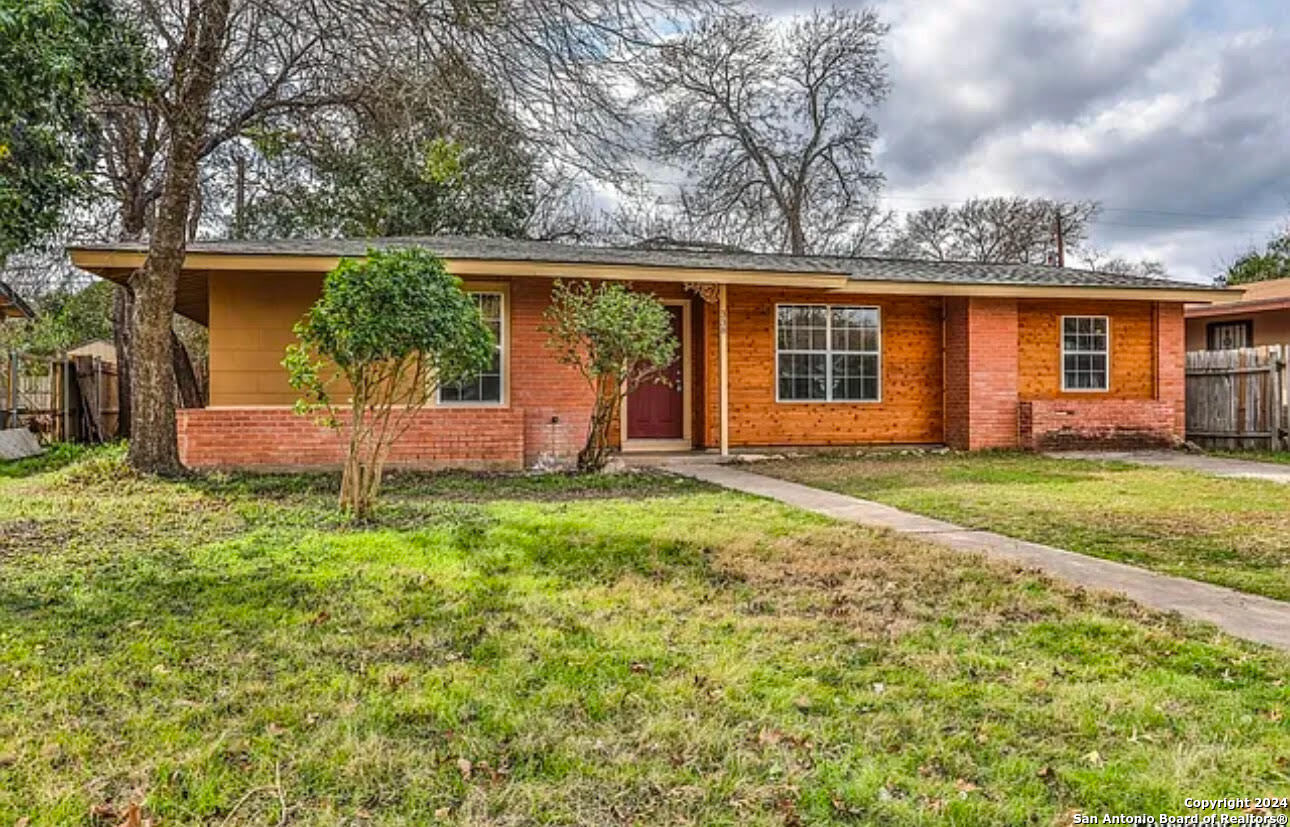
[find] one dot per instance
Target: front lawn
(1228, 531)
(557, 650)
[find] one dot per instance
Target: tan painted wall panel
(1271, 327)
(251, 319)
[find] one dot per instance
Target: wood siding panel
(910, 410)
(1040, 348)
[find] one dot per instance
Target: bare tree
(769, 122)
(225, 69)
(1005, 229)
(1104, 262)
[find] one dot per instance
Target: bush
(387, 332)
(618, 340)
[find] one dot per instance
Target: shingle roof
(857, 269)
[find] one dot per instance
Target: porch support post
(724, 336)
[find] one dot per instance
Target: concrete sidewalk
(1218, 466)
(1259, 619)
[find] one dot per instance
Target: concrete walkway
(1259, 619)
(1218, 466)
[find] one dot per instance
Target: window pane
(855, 377)
(802, 328)
(821, 352)
(487, 385)
(1085, 341)
(855, 328)
(1097, 372)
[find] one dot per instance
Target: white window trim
(828, 354)
(1061, 334)
(504, 292)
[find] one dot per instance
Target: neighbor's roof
(473, 256)
(12, 305)
(1260, 296)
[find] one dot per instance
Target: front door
(655, 410)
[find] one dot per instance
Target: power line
(1263, 222)
(1107, 208)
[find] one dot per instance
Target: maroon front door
(655, 410)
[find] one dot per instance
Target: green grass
(563, 650)
(1232, 532)
(1282, 457)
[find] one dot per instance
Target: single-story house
(1260, 317)
(776, 351)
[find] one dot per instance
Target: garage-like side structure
(776, 351)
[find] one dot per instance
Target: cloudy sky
(1175, 115)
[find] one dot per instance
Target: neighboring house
(12, 305)
(104, 349)
(776, 351)
(1261, 317)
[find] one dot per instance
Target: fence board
(56, 399)
(1236, 399)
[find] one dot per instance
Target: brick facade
(974, 373)
(278, 439)
(1003, 376)
(1062, 424)
(981, 373)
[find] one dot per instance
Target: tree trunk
(190, 392)
(121, 310)
(796, 235)
(595, 452)
(154, 445)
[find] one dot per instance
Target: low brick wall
(277, 439)
(1067, 424)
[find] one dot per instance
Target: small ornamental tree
(387, 332)
(618, 340)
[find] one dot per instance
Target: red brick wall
(547, 414)
(981, 373)
(1171, 362)
(278, 439)
(956, 372)
(1059, 424)
(543, 390)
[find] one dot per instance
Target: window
(484, 388)
(827, 354)
(1084, 353)
(1230, 335)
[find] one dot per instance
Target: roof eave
(112, 262)
(1238, 307)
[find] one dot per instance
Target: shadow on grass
(467, 572)
(462, 486)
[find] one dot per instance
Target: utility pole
(239, 202)
(1061, 240)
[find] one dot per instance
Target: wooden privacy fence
(72, 399)
(1236, 399)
